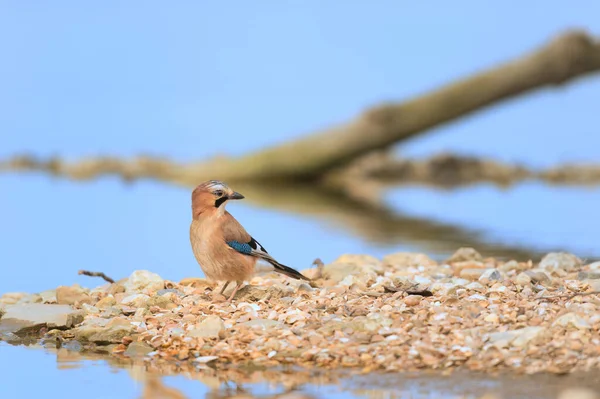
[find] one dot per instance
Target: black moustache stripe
(220, 201)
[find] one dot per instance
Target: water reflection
(171, 380)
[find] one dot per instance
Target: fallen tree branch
(97, 274)
(569, 56)
(442, 170)
(450, 170)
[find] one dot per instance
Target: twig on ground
(409, 291)
(570, 296)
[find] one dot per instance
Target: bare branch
(97, 274)
(569, 56)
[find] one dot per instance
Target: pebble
(210, 327)
(555, 261)
(572, 319)
(10, 298)
(137, 349)
(143, 281)
(593, 275)
(465, 254)
(523, 279)
(539, 277)
(136, 300)
(72, 295)
(32, 317)
(106, 302)
(490, 275)
(412, 300)
(407, 259)
(48, 296)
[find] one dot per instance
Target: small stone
(137, 349)
(106, 302)
(401, 260)
(143, 280)
(338, 271)
(197, 282)
(573, 320)
(365, 261)
(465, 254)
(11, 298)
(490, 275)
(115, 289)
(136, 300)
(72, 295)
(30, 318)
(167, 291)
(32, 298)
(539, 277)
(560, 261)
(253, 293)
(475, 286)
(102, 331)
(519, 338)
(377, 338)
(412, 300)
(525, 335)
(510, 266)
(205, 359)
(263, 323)
(210, 327)
(183, 354)
(111, 311)
(594, 266)
(595, 275)
(492, 318)
(89, 309)
(594, 284)
(48, 296)
(523, 279)
(471, 274)
(160, 301)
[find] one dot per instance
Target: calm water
(38, 372)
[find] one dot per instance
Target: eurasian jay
(222, 247)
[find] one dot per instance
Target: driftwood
(320, 155)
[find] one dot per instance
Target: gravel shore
(404, 312)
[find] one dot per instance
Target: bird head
(212, 194)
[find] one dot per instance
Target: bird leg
(224, 286)
(238, 285)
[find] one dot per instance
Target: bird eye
(218, 193)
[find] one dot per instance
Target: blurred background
(192, 80)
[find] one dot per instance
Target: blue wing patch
(247, 247)
(242, 247)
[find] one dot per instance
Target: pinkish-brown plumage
(222, 247)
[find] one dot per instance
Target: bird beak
(236, 196)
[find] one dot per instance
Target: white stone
(141, 280)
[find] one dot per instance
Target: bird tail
(288, 271)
